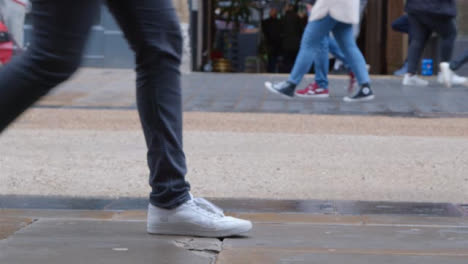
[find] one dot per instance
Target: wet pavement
(298, 232)
(209, 92)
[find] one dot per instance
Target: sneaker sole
(269, 87)
(364, 99)
(175, 230)
(313, 96)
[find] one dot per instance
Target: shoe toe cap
(238, 223)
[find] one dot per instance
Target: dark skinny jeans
(60, 30)
(421, 28)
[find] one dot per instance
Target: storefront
(226, 36)
(219, 46)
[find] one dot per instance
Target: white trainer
(196, 217)
(414, 80)
(447, 77)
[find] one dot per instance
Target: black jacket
(433, 7)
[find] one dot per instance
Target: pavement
(245, 93)
(284, 232)
(323, 181)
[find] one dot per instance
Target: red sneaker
(313, 91)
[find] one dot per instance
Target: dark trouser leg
(401, 24)
(59, 35)
(419, 35)
(447, 30)
(153, 31)
(459, 62)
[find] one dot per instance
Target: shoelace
(208, 206)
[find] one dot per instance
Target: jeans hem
(172, 204)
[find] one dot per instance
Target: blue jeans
(321, 62)
(312, 39)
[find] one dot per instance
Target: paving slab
(275, 256)
(427, 240)
(78, 242)
(57, 213)
(77, 236)
(306, 243)
(10, 224)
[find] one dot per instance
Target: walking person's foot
(353, 81)
(196, 217)
(313, 90)
(364, 93)
(414, 80)
(285, 89)
(448, 77)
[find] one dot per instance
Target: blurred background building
(227, 35)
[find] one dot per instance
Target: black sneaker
(363, 94)
(285, 89)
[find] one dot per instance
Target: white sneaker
(414, 80)
(196, 217)
(447, 77)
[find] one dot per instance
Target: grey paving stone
(79, 242)
(242, 256)
(451, 241)
(309, 243)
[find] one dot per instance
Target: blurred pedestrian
(401, 24)
(292, 30)
(327, 16)
(271, 30)
(152, 28)
(426, 17)
(319, 88)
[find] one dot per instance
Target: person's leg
(344, 36)
(459, 62)
(312, 37)
(153, 31)
(420, 34)
(401, 24)
(310, 45)
(337, 52)
(59, 36)
(322, 63)
(319, 88)
(447, 30)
